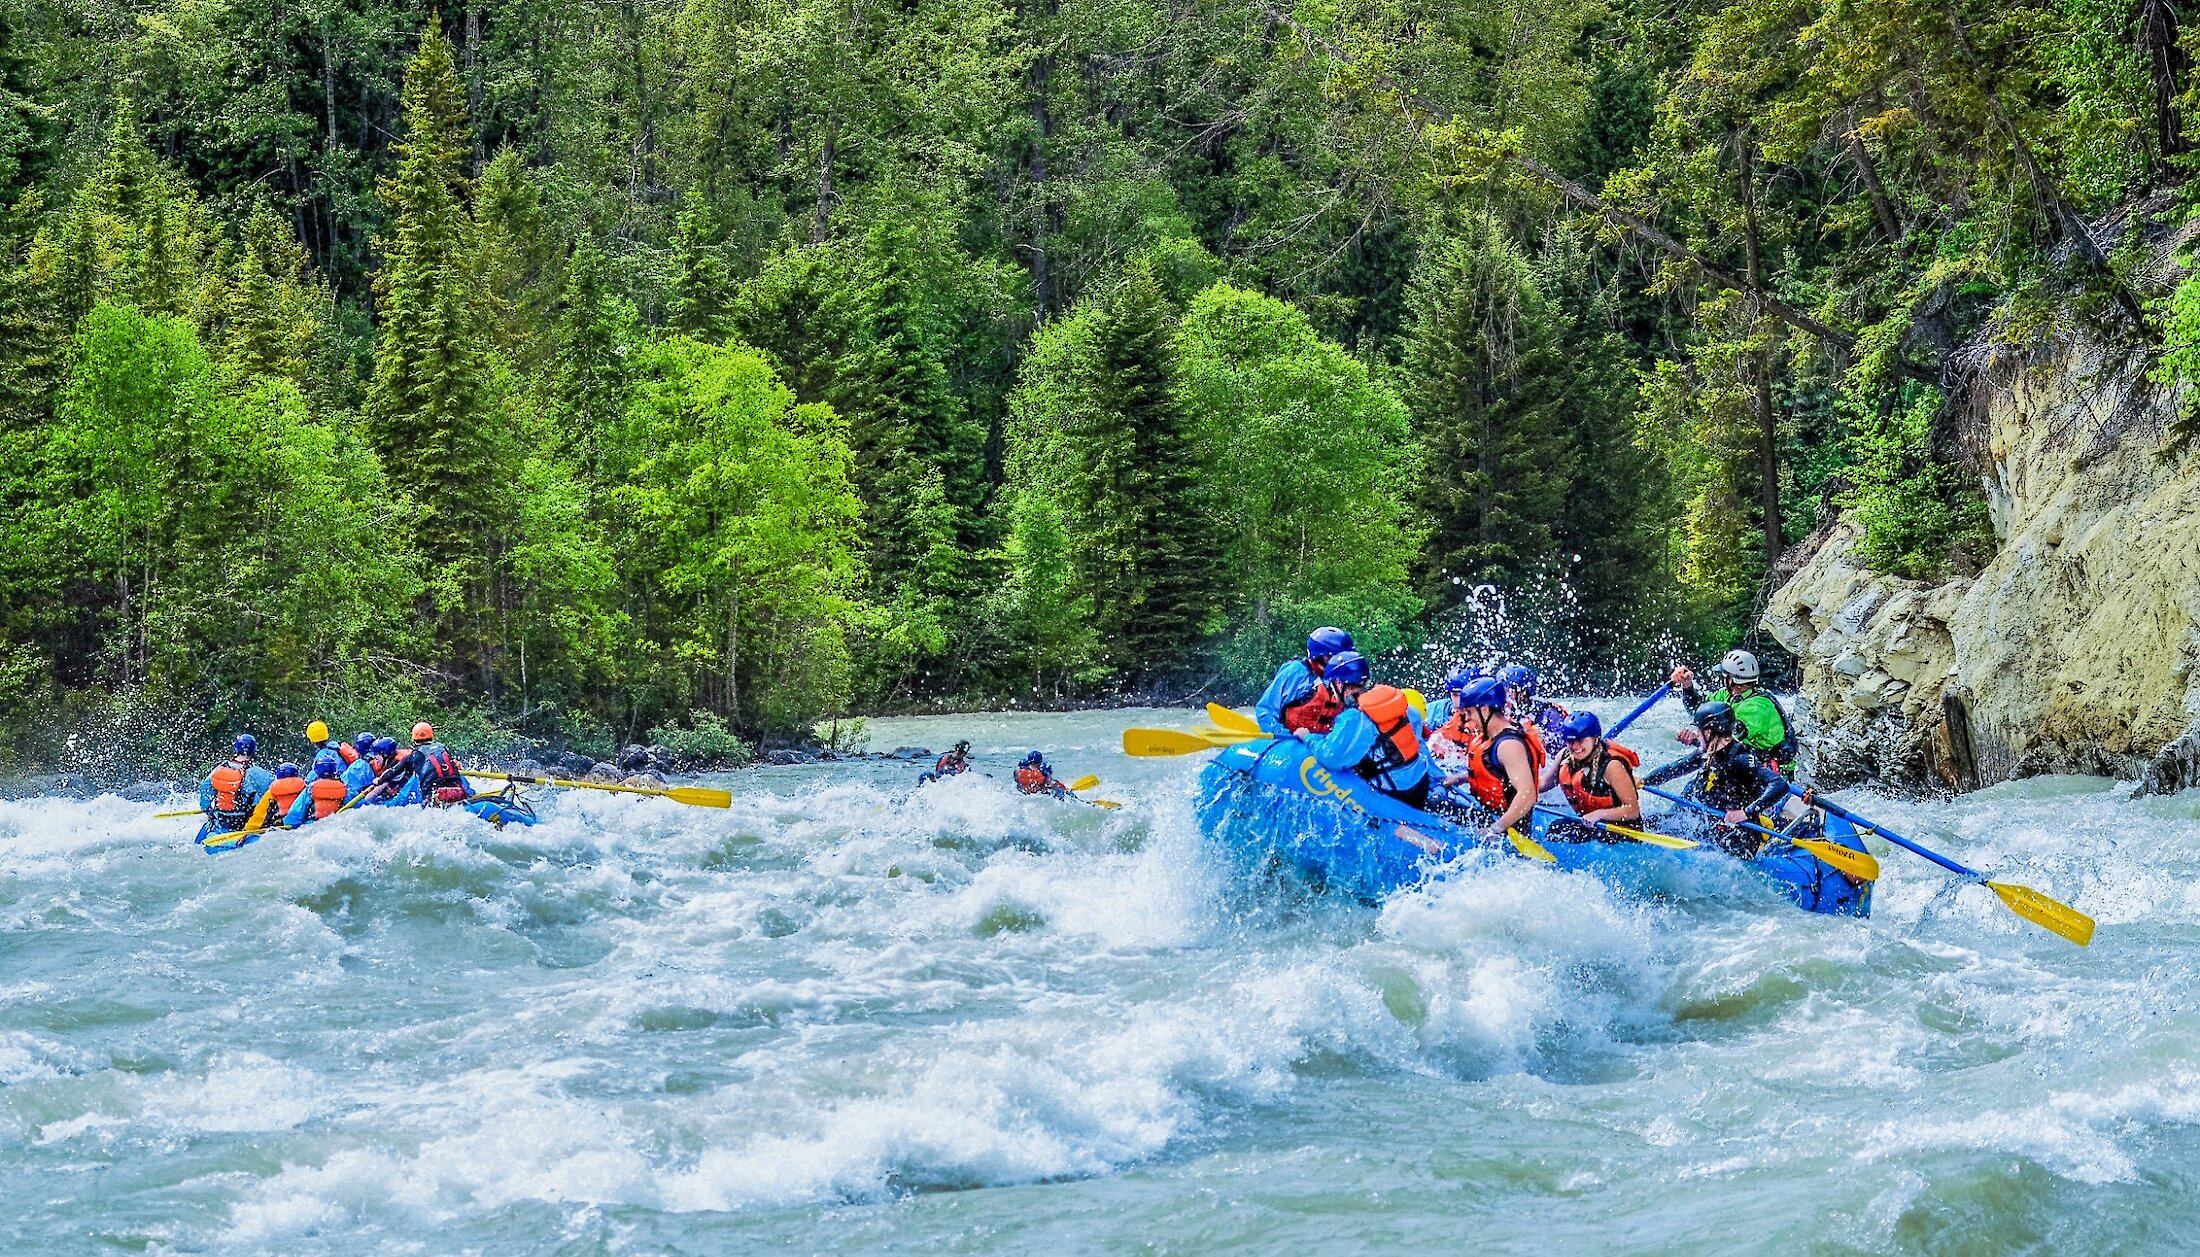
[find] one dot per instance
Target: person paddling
(1733, 780)
(324, 797)
(230, 792)
(317, 736)
(953, 764)
(1297, 699)
(360, 773)
(1450, 739)
(1377, 736)
(1530, 712)
(1502, 775)
(1035, 776)
(1597, 776)
(1766, 730)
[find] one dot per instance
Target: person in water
(1766, 730)
(317, 736)
(1035, 776)
(1548, 720)
(325, 796)
(229, 793)
(1597, 776)
(1733, 781)
(1450, 739)
(1376, 736)
(953, 764)
(1502, 775)
(1297, 699)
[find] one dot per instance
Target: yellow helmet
(317, 732)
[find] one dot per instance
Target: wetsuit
(1732, 779)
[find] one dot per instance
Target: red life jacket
(1032, 779)
(1396, 744)
(230, 800)
(329, 794)
(1585, 786)
(349, 752)
(1317, 712)
(1487, 775)
(950, 765)
(283, 792)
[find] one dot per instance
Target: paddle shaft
(1632, 835)
(1708, 810)
(1895, 838)
(1657, 695)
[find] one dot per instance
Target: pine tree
(597, 335)
(518, 259)
(702, 287)
(1483, 378)
(268, 312)
(431, 406)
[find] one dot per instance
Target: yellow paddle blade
(2046, 913)
(1861, 865)
(1232, 721)
(1086, 782)
(1529, 847)
(169, 816)
(1109, 804)
(694, 796)
(1157, 743)
(1416, 702)
(1667, 841)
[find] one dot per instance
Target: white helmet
(1739, 665)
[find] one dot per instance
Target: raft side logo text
(1320, 784)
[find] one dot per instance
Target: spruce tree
(703, 285)
(1483, 378)
(431, 407)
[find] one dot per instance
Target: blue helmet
(1582, 724)
(1486, 692)
(364, 743)
(385, 746)
(1520, 677)
(328, 764)
(1348, 667)
(1033, 759)
(245, 744)
(1324, 642)
(286, 769)
(1463, 676)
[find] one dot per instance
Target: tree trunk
(2156, 27)
(1768, 422)
(1882, 205)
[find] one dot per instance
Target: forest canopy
(601, 369)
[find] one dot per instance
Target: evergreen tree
(430, 408)
(1483, 377)
(519, 249)
(1104, 431)
(702, 288)
(597, 335)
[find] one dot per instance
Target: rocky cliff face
(2077, 649)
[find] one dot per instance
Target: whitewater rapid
(851, 1016)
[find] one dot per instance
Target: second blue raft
(1269, 797)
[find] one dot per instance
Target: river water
(846, 1017)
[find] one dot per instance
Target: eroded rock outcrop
(2077, 649)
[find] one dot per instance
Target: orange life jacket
(1396, 743)
(1585, 786)
(284, 792)
(1455, 738)
(1486, 775)
(329, 794)
(1317, 712)
(1032, 780)
(228, 782)
(349, 752)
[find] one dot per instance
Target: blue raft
(497, 809)
(1270, 798)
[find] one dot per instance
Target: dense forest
(593, 369)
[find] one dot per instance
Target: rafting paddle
(1086, 782)
(1861, 865)
(693, 796)
(1158, 743)
(1645, 705)
(1666, 841)
(2049, 914)
(1233, 722)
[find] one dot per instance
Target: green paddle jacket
(1765, 727)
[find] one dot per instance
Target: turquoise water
(847, 1018)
